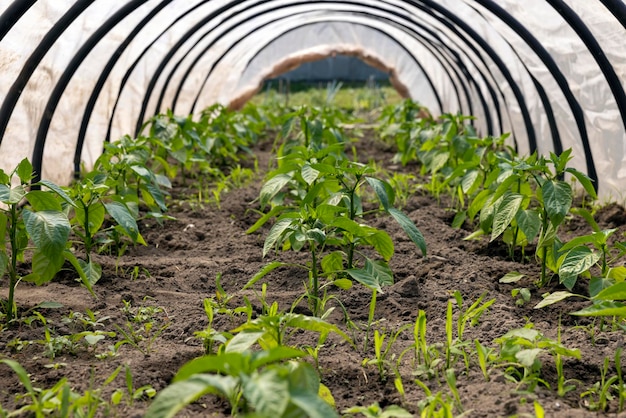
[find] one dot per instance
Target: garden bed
(177, 270)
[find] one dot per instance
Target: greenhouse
(179, 235)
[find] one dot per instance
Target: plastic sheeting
(74, 74)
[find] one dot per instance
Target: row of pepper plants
(47, 225)
(318, 200)
(521, 200)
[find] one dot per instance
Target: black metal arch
(558, 76)
(169, 56)
(15, 91)
(59, 88)
(471, 81)
(132, 67)
(456, 22)
(451, 56)
(596, 51)
(12, 14)
(93, 98)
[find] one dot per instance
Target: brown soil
(177, 270)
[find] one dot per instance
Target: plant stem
(314, 282)
(544, 249)
(352, 216)
(13, 273)
(370, 318)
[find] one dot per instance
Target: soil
(178, 267)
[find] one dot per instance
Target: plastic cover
(67, 81)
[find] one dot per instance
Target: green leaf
(384, 191)
(243, 341)
(49, 230)
(344, 284)
(45, 267)
(409, 228)
(273, 212)
(459, 218)
(309, 174)
(375, 275)
(276, 234)
(505, 213)
(273, 355)
(332, 262)
(263, 272)
(529, 222)
(606, 308)
(303, 376)
(225, 363)
(40, 200)
(267, 392)
(92, 270)
(470, 181)
(557, 199)
(617, 273)
(21, 374)
(176, 396)
(614, 292)
(598, 284)
(272, 187)
(584, 180)
(478, 203)
(554, 298)
(69, 256)
(93, 339)
(314, 324)
(13, 195)
(24, 171)
(511, 277)
(312, 404)
(121, 214)
(348, 225)
(382, 243)
(528, 356)
(575, 262)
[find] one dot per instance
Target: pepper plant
(530, 199)
(31, 216)
(322, 210)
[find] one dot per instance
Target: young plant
(130, 393)
(381, 359)
(267, 382)
(456, 346)
(375, 411)
(143, 326)
(519, 354)
(41, 222)
(326, 214)
(528, 200)
(275, 328)
(209, 336)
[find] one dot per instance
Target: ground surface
(177, 270)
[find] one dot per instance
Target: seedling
(144, 325)
(375, 411)
(251, 381)
(130, 393)
(519, 354)
(382, 352)
(275, 328)
(43, 222)
(209, 336)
